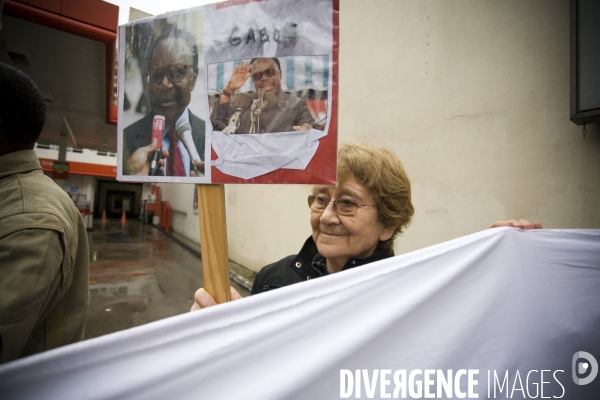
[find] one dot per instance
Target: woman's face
(340, 237)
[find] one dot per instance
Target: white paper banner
(249, 156)
(300, 34)
(503, 313)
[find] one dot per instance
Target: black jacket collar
(301, 264)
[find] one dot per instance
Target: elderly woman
(353, 223)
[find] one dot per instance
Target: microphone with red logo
(158, 127)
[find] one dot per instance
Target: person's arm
(304, 121)
(219, 116)
(241, 73)
(517, 223)
(221, 112)
(30, 266)
(202, 299)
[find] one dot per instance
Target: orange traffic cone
(123, 217)
(103, 215)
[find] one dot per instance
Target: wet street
(138, 275)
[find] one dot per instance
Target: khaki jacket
(44, 261)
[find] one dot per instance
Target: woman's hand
(520, 223)
(202, 299)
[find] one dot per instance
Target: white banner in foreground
(502, 313)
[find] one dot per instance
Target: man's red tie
(174, 162)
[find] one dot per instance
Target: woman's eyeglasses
(343, 206)
(257, 76)
(175, 73)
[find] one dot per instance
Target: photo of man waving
(278, 111)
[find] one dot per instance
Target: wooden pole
(213, 241)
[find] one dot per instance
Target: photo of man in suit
(170, 71)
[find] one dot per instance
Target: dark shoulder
(292, 100)
(141, 124)
(273, 276)
(194, 118)
(287, 271)
(197, 125)
(137, 135)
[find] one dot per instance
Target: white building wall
(181, 199)
(474, 98)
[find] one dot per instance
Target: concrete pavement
(139, 275)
